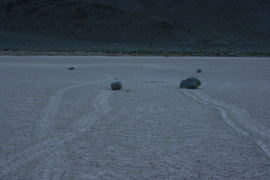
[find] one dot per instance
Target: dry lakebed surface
(59, 122)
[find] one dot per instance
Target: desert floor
(57, 123)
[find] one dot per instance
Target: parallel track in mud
(236, 117)
(48, 144)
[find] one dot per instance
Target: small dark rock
(190, 83)
(199, 71)
(116, 85)
(71, 68)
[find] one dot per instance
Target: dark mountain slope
(214, 25)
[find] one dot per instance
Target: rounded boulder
(116, 85)
(190, 83)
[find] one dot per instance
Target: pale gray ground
(61, 124)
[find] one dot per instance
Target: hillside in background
(176, 26)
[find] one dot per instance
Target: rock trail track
(48, 144)
(237, 118)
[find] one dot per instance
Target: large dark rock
(190, 83)
(71, 68)
(116, 85)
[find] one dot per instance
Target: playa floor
(68, 124)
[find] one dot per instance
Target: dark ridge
(209, 26)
